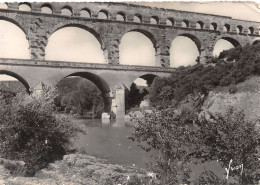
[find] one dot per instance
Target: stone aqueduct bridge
(112, 77)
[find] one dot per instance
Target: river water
(110, 141)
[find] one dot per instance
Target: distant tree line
(79, 96)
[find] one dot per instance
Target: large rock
(77, 169)
(246, 97)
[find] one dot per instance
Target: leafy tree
(183, 141)
(31, 131)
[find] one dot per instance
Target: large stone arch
(145, 75)
(195, 39)
(148, 34)
(100, 83)
(73, 24)
(24, 37)
(88, 30)
(15, 22)
(233, 40)
(18, 77)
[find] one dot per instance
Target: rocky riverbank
(77, 169)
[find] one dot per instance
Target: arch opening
(251, 30)
(13, 83)
(47, 9)
(84, 94)
(13, 42)
(137, 96)
(66, 11)
(170, 22)
(131, 52)
(102, 14)
(213, 26)
(25, 7)
(3, 6)
(120, 16)
(239, 29)
(199, 25)
(85, 13)
(226, 28)
(225, 43)
(154, 20)
(185, 24)
(137, 18)
(185, 50)
(74, 44)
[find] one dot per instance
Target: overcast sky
(78, 45)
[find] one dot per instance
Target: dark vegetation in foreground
(31, 131)
(185, 137)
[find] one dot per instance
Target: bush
(31, 131)
(182, 141)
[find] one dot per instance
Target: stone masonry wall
(38, 27)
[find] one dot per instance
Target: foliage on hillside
(231, 67)
(31, 131)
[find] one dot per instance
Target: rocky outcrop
(245, 96)
(77, 169)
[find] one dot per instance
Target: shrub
(182, 141)
(31, 131)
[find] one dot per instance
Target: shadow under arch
(92, 31)
(18, 77)
(101, 84)
(194, 39)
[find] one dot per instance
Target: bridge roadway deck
(82, 65)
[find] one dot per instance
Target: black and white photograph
(129, 92)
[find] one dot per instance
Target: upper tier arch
(15, 22)
(148, 34)
(73, 24)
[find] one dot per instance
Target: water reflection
(109, 140)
